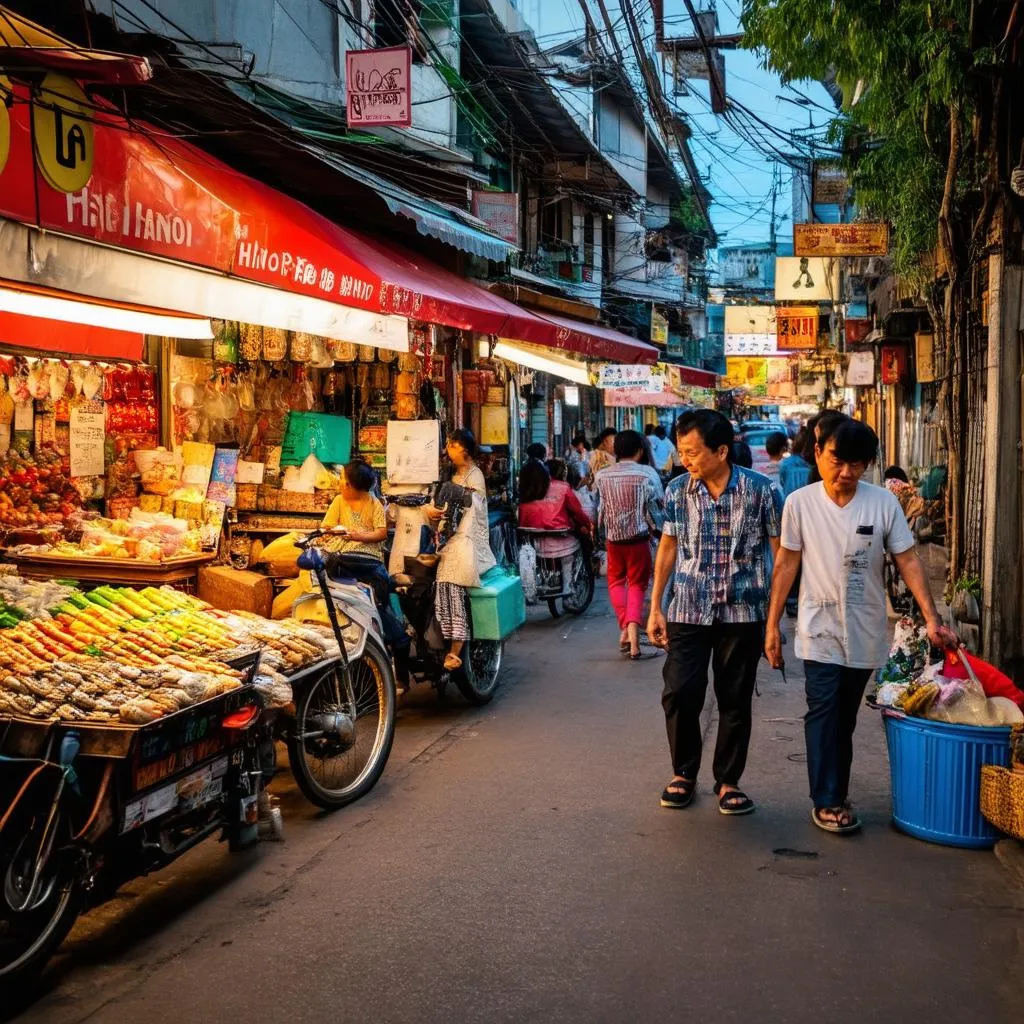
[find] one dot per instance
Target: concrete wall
(623, 141)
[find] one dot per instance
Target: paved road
(514, 865)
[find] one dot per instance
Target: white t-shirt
(842, 619)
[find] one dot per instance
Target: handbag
(458, 562)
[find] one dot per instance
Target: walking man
(629, 511)
(837, 532)
(720, 522)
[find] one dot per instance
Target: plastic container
(936, 778)
(497, 606)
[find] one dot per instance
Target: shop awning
(31, 332)
(536, 357)
(25, 44)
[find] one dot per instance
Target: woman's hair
(800, 442)
(537, 451)
(776, 443)
(466, 440)
(359, 476)
(895, 473)
(558, 469)
(534, 481)
(572, 477)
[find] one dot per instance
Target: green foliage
(686, 211)
(915, 67)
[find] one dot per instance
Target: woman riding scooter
(551, 504)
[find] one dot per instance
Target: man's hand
(657, 627)
(434, 514)
(773, 647)
(942, 637)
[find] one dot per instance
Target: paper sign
(87, 436)
(249, 472)
(861, 371)
(377, 86)
(414, 451)
(327, 437)
(23, 415)
(626, 375)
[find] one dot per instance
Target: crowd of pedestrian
(735, 550)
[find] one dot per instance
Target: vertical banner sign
(377, 87)
(659, 328)
(894, 364)
(797, 328)
(500, 212)
(62, 133)
(924, 357)
(87, 436)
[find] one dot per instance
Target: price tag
(87, 436)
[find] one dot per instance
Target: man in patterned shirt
(720, 522)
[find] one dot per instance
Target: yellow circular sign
(62, 132)
(6, 95)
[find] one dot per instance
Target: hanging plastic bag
(528, 572)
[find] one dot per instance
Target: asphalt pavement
(514, 865)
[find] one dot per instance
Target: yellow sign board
(797, 328)
(5, 122)
(840, 239)
(659, 328)
(62, 133)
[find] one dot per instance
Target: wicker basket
(1002, 799)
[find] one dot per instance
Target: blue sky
(739, 171)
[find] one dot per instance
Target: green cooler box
(498, 606)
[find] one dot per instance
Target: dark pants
(375, 574)
(734, 650)
(834, 695)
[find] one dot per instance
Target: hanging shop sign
(62, 131)
(806, 278)
(377, 87)
(797, 328)
(840, 239)
(860, 372)
(625, 375)
(857, 329)
(924, 357)
(745, 372)
(830, 185)
(750, 330)
(894, 364)
(659, 328)
(500, 212)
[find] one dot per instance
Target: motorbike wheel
(581, 591)
(553, 608)
(331, 773)
(477, 678)
(28, 938)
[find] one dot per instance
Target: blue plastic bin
(936, 778)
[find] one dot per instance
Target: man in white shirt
(837, 531)
(662, 450)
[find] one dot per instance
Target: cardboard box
(236, 589)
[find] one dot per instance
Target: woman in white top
(450, 594)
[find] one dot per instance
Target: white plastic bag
(458, 562)
(528, 572)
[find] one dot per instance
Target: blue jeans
(834, 695)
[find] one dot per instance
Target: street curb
(1010, 853)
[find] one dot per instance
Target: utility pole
(775, 187)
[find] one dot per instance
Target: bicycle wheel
(334, 764)
(30, 936)
(581, 586)
(477, 678)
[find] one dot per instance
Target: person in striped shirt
(722, 525)
(629, 511)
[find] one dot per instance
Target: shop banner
(805, 278)
(857, 329)
(659, 328)
(797, 328)
(745, 372)
(894, 364)
(924, 358)
(500, 212)
(378, 87)
(625, 375)
(840, 239)
(750, 331)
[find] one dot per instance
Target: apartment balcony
(561, 267)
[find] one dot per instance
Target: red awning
(160, 196)
(33, 332)
(95, 66)
(698, 378)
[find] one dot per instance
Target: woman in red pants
(629, 511)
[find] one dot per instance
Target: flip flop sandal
(834, 826)
(679, 800)
(734, 803)
(644, 655)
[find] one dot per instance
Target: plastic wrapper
(274, 689)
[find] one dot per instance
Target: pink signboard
(378, 87)
(500, 212)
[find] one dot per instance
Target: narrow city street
(514, 865)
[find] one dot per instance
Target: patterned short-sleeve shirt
(723, 555)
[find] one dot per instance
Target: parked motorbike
(90, 808)
(340, 733)
(477, 677)
(569, 579)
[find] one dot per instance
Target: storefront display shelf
(181, 572)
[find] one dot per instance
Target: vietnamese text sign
(806, 278)
(840, 239)
(377, 86)
(500, 212)
(831, 185)
(87, 435)
(797, 328)
(750, 330)
(626, 375)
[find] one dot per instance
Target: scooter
(340, 733)
(569, 579)
(477, 677)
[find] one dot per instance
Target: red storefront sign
(857, 329)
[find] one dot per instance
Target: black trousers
(733, 649)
